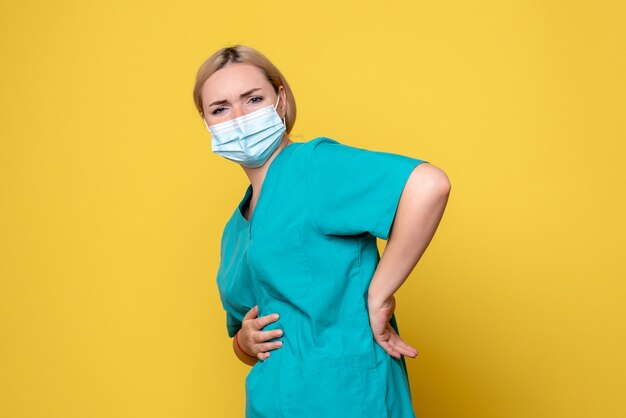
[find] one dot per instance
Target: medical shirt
(308, 253)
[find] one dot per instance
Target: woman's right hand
(252, 338)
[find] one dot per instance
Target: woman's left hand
(383, 332)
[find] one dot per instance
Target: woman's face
(235, 90)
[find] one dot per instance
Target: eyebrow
(241, 96)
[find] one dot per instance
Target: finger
(393, 344)
(273, 317)
(264, 320)
(391, 351)
(270, 346)
(388, 348)
(270, 334)
(407, 351)
(252, 313)
(400, 345)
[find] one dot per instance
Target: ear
(283, 100)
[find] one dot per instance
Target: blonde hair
(247, 55)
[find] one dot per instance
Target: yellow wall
(112, 203)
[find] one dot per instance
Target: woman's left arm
(419, 212)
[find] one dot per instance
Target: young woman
(308, 299)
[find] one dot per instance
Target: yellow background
(112, 204)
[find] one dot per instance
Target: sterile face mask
(248, 139)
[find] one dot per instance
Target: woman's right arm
(249, 343)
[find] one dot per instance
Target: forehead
(232, 80)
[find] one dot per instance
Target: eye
(253, 99)
(217, 110)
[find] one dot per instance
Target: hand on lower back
(383, 332)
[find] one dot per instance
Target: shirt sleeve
(231, 283)
(354, 190)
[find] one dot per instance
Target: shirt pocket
(281, 265)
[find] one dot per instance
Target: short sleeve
(354, 190)
(233, 281)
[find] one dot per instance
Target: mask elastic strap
(276, 106)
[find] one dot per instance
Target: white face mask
(249, 139)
